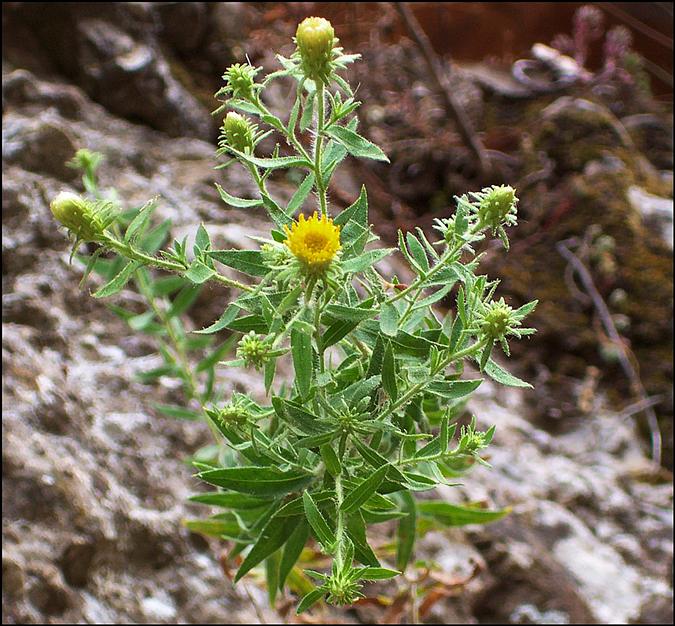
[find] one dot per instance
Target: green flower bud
(87, 220)
(472, 440)
(342, 590)
(497, 207)
(239, 80)
(497, 320)
(275, 255)
(254, 350)
(237, 132)
(315, 39)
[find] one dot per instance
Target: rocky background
(94, 481)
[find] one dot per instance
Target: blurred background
(569, 103)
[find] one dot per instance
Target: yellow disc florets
(314, 242)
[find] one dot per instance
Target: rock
(655, 210)
(112, 52)
(39, 146)
(574, 131)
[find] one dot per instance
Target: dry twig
(615, 337)
(453, 108)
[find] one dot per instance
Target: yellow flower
(314, 242)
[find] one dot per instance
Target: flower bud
(497, 320)
(497, 207)
(315, 39)
(254, 350)
(85, 219)
(239, 80)
(237, 131)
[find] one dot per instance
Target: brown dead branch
(453, 108)
(624, 357)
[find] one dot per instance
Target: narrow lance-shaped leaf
(355, 144)
(303, 362)
(406, 531)
(318, 523)
(272, 537)
(260, 481)
(456, 515)
(389, 381)
(119, 281)
(364, 491)
(292, 550)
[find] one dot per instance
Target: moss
(642, 268)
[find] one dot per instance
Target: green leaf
(155, 238)
(348, 313)
(356, 531)
(425, 303)
(272, 576)
(376, 358)
(179, 412)
(375, 459)
(303, 360)
(363, 492)
(389, 381)
(270, 369)
(278, 215)
(199, 273)
(119, 281)
(140, 222)
(202, 240)
(355, 144)
(389, 319)
(417, 251)
(319, 525)
(240, 203)
(335, 332)
(379, 517)
(300, 194)
(228, 316)
(377, 573)
(297, 505)
(453, 389)
(183, 301)
(247, 261)
(214, 527)
(456, 515)
(310, 599)
(307, 112)
(214, 356)
(142, 321)
(272, 537)
(297, 416)
(292, 550)
(249, 323)
(274, 162)
(330, 460)
(354, 223)
(257, 481)
(236, 501)
(498, 373)
(356, 213)
(366, 260)
(406, 531)
(167, 285)
(526, 309)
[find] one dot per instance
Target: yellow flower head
(314, 242)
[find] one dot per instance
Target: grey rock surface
(94, 483)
